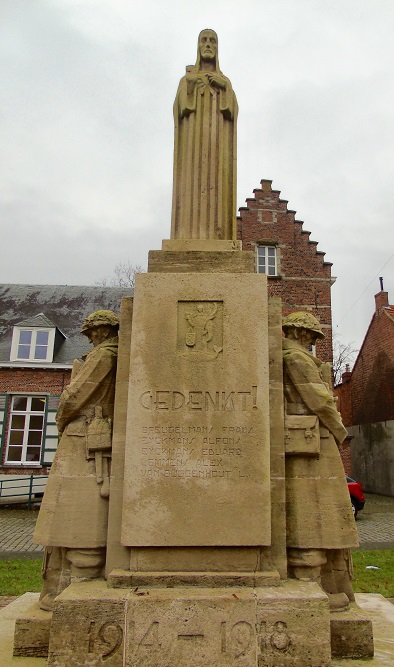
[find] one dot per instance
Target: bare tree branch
(343, 356)
(123, 275)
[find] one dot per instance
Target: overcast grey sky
(87, 130)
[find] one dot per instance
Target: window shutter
(51, 436)
(3, 415)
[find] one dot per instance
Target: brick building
(297, 272)
(366, 402)
(39, 340)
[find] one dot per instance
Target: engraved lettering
(151, 636)
(146, 400)
(209, 401)
(162, 400)
(223, 643)
(280, 638)
(243, 395)
(195, 400)
(224, 400)
(178, 400)
(228, 401)
(241, 637)
(109, 634)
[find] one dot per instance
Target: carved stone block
(351, 635)
(32, 629)
(197, 459)
(284, 626)
(88, 626)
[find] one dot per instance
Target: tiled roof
(63, 306)
(37, 321)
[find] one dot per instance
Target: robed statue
(205, 115)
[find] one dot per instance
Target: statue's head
(208, 44)
(100, 325)
(303, 327)
(207, 47)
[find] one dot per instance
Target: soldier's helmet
(100, 318)
(303, 321)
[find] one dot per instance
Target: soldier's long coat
(73, 513)
(318, 508)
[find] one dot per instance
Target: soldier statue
(72, 523)
(320, 523)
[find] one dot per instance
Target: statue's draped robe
(73, 513)
(319, 513)
(204, 190)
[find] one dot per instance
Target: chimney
(347, 374)
(381, 298)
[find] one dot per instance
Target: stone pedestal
(32, 631)
(196, 554)
(351, 634)
(285, 626)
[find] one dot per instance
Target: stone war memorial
(197, 513)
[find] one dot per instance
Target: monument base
(351, 634)
(32, 631)
(283, 626)
(128, 579)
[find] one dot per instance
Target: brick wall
(304, 280)
(372, 383)
(346, 456)
(343, 394)
(30, 380)
(49, 381)
(367, 395)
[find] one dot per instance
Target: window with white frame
(266, 260)
(32, 344)
(26, 428)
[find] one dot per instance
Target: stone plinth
(129, 579)
(286, 626)
(197, 458)
(215, 261)
(205, 245)
(32, 630)
(351, 634)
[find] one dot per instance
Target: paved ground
(16, 534)
(375, 524)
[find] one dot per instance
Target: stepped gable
(303, 276)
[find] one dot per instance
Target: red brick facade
(30, 380)
(346, 456)
(303, 279)
(367, 394)
(46, 380)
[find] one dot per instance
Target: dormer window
(32, 344)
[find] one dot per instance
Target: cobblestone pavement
(375, 524)
(16, 534)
